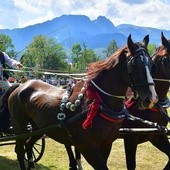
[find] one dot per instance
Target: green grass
(55, 157)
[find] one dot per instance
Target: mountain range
(95, 34)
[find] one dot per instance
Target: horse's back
(39, 100)
(34, 97)
(35, 87)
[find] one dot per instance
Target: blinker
(136, 95)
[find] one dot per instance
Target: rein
(149, 123)
(166, 80)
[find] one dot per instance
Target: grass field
(55, 157)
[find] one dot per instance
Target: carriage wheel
(38, 149)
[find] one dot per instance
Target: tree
(76, 54)
(88, 55)
(45, 53)
(151, 49)
(7, 46)
(81, 57)
(111, 48)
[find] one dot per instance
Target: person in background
(23, 79)
(6, 60)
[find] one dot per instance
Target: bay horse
(90, 115)
(158, 114)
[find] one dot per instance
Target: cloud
(31, 12)
(148, 13)
(134, 1)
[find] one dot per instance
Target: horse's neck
(113, 86)
(161, 87)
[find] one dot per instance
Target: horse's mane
(161, 51)
(94, 69)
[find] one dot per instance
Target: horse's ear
(165, 42)
(130, 44)
(145, 41)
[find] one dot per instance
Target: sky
(145, 13)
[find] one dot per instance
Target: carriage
(9, 138)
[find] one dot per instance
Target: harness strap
(112, 115)
(63, 125)
(108, 94)
(149, 123)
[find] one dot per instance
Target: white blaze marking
(150, 80)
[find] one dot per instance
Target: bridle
(166, 59)
(141, 51)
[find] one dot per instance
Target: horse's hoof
(31, 166)
(72, 168)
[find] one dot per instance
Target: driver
(4, 85)
(6, 60)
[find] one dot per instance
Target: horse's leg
(19, 127)
(78, 159)
(72, 161)
(105, 151)
(162, 143)
(94, 157)
(130, 146)
(29, 150)
(20, 151)
(75, 161)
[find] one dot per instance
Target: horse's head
(162, 59)
(139, 66)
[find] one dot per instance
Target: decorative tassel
(132, 104)
(92, 94)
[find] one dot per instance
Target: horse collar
(67, 105)
(111, 115)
